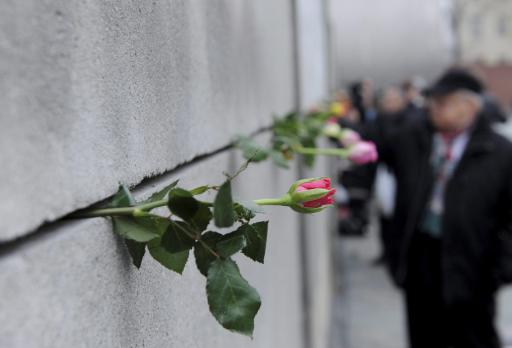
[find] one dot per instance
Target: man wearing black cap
(451, 247)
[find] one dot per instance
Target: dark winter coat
(477, 220)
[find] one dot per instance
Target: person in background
(392, 101)
(353, 219)
(412, 91)
(362, 97)
(346, 110)
(391, 114)
(451, 243)
(494, 110)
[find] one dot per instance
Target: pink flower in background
(349, 137)
(363, 152)
(325, 184)
(332, 120)
(333, 130)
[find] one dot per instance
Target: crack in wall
(45, 228)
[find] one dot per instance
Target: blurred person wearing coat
(452, 226)
(392, 112)
(412, 90)
(362, 99)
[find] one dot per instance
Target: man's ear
(472, 104)
(475, 102)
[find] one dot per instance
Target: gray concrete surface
(319, 271)
(313, 52)
(312, 89)
(95, 93)
(368, 309)
(99, 93)
(371, 308)
(74, 285)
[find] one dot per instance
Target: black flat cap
(453, 80)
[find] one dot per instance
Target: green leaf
(243, 213)
(201, 218)
(288, 126)
(158, 196)
(253, 207)
(255, 154)
(174, 261)
(313, 127)
(136, 250)
(233, 302)
(279, 159)
(139, 229)
(199, 190)
(182, 203)
(256, 236)
(251, 150)
(203, 256)
(309, 160)
(223, 213)
(123, 198)
(231, 243)
(178, 237)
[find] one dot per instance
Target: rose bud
(349, 137)
(311, 195)
(331, 120)
(305, 196)
(363, 152)
(333, 130)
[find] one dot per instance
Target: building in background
(483, 30)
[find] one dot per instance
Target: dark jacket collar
(481, 137)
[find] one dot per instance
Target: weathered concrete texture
(312, 49)
(370, 310)
(74, 285)
(313, 88)
(95, 93)
(319, 238)
(389, 40)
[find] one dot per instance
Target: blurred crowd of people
(442, 190)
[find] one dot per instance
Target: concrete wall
(314, 87)
(312, 51)
(389, 41)
(95, 93)
(319, 238)
(74, 285)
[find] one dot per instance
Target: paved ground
(368, 310)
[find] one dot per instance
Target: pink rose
(305, 196)
(363, 152)
(349, 137)
(333, 130)
(332, 120)
(324, 183)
